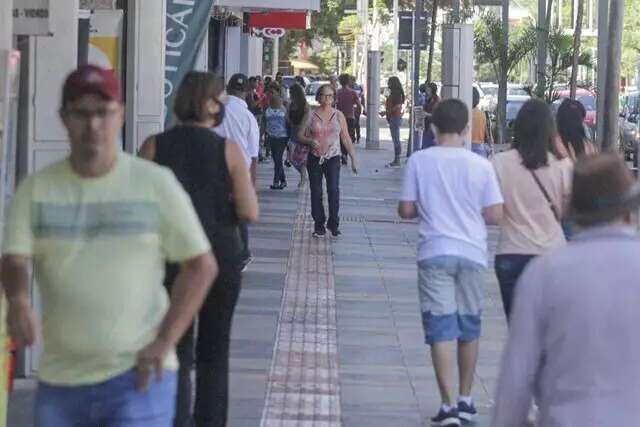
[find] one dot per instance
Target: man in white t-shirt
(240, 125)
(455, 193)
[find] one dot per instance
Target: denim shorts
(450, 290)
(113, 403)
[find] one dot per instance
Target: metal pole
(373, 100)
(276, 57)
(542, 49)
(394, 66)
(415, 82)
(612, 86)
(603, 42)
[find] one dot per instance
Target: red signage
(286, 20)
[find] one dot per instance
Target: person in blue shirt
(277, 136)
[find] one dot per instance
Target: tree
(576, 49)
(543, 40)
(432, 37)
(491, 48)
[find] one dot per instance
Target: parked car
(630, 125)
(514, 104)
(311, 89)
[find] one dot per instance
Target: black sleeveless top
(196, 156)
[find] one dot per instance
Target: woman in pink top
(324, 129)
(536, 186)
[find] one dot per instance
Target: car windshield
(312, 88)
(490, 91)
(513, 107)
(589, 102)
(517, 91)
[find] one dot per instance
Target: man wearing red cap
(97, 228)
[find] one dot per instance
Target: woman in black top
(213, 172)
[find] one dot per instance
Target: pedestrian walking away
(240, 125)
(213, 172)
(347, 101)
(97, 228)
(574, 139)
(573, 335)
(481, 141)
(296, 117)
(393, 112)
(536, 186)
(452, 251)
(325, 130)
(278, 137)
(431, 102)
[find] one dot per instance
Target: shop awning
(302, 64)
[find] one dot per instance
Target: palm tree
(492, 48)
(561, 57)
(576, 49)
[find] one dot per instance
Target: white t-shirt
(450, 187)
(240, 125)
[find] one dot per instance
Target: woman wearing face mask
(213, 172)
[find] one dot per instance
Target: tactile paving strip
(303, 387)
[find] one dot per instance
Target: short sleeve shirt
(451, 186)
(346, 101)
(240, 126)
(99, 247)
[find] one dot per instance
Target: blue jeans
(509, 268)
(394, 127)
(479, 149)
(112, 403)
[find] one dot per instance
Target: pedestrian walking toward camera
(481, 141)
(296, 117)
(431, 102)
(97, 228)
(455, 193)
(325, 130)
(239, 125)
(213, 172)
(573, 341)
(278, 137)
(536, 186)
(360, 108)
(393, 112)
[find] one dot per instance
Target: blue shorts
(112, 403)
(450, 290)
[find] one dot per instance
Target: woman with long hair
(431, 102)
(296, 116)
(393, 112)
(275, 117)
(536, 186)
(324, 130)
(571, 128)
(215, 175)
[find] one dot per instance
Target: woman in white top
(536, 185)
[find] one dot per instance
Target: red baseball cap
(91, 79)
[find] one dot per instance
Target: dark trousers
(209, 352)
(330, 169)
(357, 125)
(508, 268)
(244, 235)
(278, 146)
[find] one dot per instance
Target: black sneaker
(287, 163)
(335, 232)
(467, 413)
(446, 418)
(245, 264)
(319, 232)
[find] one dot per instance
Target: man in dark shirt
(347, 101)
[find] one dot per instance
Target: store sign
(31, 18)
(186, 25)
(286, 20)
(273, 33)
(105, 38)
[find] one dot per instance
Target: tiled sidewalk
(367, 288)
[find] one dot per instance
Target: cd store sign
(31, 18)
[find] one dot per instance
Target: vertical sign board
(186, 25)
(31, 17)
(105, 39)
(405, 30)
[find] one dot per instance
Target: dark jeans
(394, 127)
(508, 268)
(209, 352)
(357, 124)
(278, 145)
(330, 169)
(244, 235)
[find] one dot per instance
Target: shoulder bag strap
(556, 215)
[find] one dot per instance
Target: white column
(232, 52)
(6, 25)
(457, 64)
(145, 71)
(276, 56)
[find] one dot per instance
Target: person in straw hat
(573, 334)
